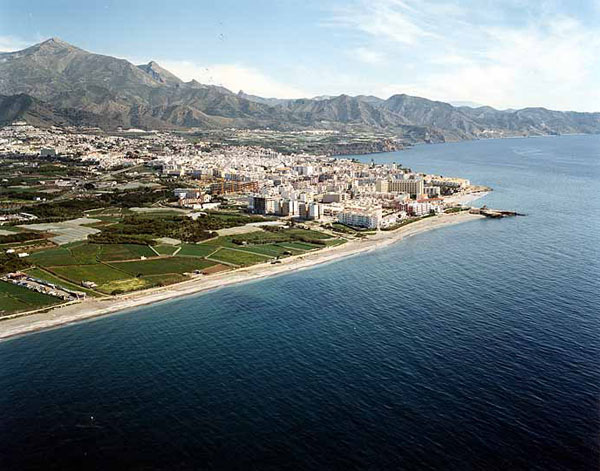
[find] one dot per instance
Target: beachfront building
(301, 209)
(413, 186)
(361, 217)
(421, 208)
(432, 191)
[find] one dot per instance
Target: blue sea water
(470, 347)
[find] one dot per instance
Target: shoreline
(92, 308)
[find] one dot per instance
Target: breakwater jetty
(494, 213)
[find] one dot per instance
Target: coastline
(91, 308)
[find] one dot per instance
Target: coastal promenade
(91, 308)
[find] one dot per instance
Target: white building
(360, 217)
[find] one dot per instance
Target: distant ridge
(54, 82)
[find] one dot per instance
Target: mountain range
(56, 83)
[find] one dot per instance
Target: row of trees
(74, 208)
(117, 238)
(141, 229)
(10, 263)
(20, 237)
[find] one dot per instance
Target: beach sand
(90, 308)
(465, 198)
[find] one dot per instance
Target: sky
(506, 54)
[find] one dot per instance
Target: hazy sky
(508, 54)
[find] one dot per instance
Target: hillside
(57, 83)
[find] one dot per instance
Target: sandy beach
(91, 308)
(465, 198)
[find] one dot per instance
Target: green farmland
(49, 277)
(272, 250)
(82, 253)
(124, 267)
(159, 266)
(98, 273)
(53, 257)
(110, 252)
(238, 257)
(16, 298)
(301, 246)
(166, 249)
(197, 250)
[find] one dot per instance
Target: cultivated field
(197, 250)
(128, 266)
(159, 266)
(16, 298)
(238, 257)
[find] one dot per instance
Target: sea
(470, 347)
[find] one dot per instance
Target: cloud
(11, 43)
(551, 64)
(234, 77)
(384, 19)
(368, 56)
(509, 54)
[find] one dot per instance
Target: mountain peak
(51, 46)
(76, 86)
(159, 74)
(56, 42)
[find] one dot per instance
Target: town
(89, 213)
